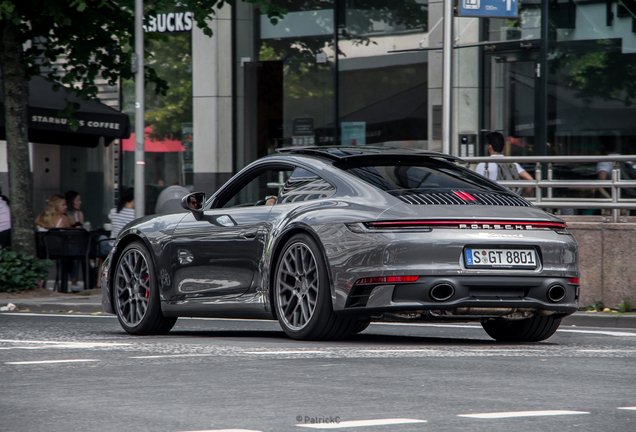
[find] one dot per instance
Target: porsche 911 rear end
(455, 246)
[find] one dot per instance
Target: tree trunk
(16, 95)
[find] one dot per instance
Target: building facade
(558, 80)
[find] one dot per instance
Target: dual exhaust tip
(444, 291)
(556, 293)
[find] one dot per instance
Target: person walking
(501, 171)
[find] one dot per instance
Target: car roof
(346, 153)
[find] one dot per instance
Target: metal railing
(613, 201)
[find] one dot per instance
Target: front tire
(135, 294)
(302, 295)
(534, 329)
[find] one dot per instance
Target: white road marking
(51, 361)
(628, 408)
(58, 344)
(287, 352)
(397, 350)
(361, 423)
(74, 315)
(172, 355)
(512, 414)
(225, 430)
(529, 349)
(624, 351)
(599, 332)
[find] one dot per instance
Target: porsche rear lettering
(498, 227)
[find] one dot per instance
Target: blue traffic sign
(489, 8)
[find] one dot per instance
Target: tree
(93, 38)
(172, 59)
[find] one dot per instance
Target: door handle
(248, 234)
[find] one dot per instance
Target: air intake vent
(452, 198)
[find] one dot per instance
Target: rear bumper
(474, 292)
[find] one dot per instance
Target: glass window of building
(591, 93)
(292, 88)
(382, 84)
(168, 118)
(559, 80)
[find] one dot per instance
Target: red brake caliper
(148, 290)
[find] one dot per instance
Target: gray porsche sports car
(328, 239)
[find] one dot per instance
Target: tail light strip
(470, 224)
(387, 279)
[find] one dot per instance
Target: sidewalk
(90, 301)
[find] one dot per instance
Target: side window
(262, 185)
(305, 186)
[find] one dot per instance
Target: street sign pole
(138, 69)
(447, 76)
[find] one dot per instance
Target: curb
(600, 319)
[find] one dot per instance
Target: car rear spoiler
(348, 153)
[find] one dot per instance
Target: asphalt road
(72, 372)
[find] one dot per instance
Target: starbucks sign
(169, 22)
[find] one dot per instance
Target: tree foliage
(165, 113)
(604, 72)
(72, 43)
(94, 36)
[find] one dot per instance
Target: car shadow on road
(364, 340)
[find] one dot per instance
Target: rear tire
(534, 329)
(135, 294)
(361, 326)
(302, 296)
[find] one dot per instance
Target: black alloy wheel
(135, 294)
(302, 295)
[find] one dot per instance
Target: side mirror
(194, 202)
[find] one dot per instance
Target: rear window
(425, 176)
(426, 181)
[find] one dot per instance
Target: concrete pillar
(465, 109)
(212, 103)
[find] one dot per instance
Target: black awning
(47, 127)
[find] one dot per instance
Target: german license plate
(507, 258)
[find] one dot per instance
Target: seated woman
(119, 216)
(54, 215)
(74, 202)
